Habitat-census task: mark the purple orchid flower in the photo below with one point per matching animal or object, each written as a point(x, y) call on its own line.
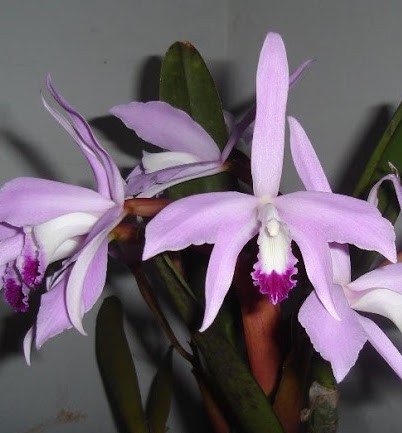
point(230, 219)
point(378, 291)
point(49, 221)
point(191, 151)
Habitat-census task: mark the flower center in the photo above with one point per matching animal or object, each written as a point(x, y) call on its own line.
point(275, 267)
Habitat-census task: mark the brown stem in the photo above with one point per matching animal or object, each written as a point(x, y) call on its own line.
point(215, 415)
point(153, 304)
point(260, 325)
point(145, 207)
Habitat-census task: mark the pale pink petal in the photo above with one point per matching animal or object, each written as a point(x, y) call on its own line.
point(341, 266)
point(53, 317)
point(149, 184)
point(379, 301)
point(35, 201)
point(230, 241)
point(195, 220)
point(269, 130)
point(167, 127)
point(338, 218)
point(394, 178)
point(298, 73)
point(317, 262)
point(96, 166)
point(338, 341)
point(388, 277)
point(382, 345)
point(78, 282)
point(305, 159)
point(209, 169)
point(245, 127)
point(10, 248)
point(115, 182)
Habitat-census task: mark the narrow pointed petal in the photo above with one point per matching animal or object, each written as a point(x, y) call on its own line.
point(167, 127)
point(269, 130)
point(245, 127)
point(195, 172)
point(195, 220)
point(239, 130)
point(222, 263)
point(86, 270)
point(394, 178)
point(318, 264)
point(382, 345)
point(147, 183)
point(305, 159)
point(328, 335)
point(106, 223)
point(341, 265)
point(96, 166)
point(115, 182)
point(53, 317)
point(27, 344)
point(49, 199)
point(87, 279)
point(339, 218)
point(298, 73)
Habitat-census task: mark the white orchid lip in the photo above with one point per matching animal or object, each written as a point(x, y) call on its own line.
point(275, 267)
point(158, 161)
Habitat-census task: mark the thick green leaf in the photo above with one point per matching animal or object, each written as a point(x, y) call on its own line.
point(160, 395)
point(178, 291)
point(389, 149)
point(186, 83)
point(117, 368)
point(233, 383)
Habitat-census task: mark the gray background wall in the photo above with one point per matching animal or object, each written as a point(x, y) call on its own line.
point(102, 53)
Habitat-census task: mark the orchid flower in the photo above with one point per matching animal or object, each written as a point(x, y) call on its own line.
point(191, 151)
point(230, 219)
point(378, 291)
point(44, 221)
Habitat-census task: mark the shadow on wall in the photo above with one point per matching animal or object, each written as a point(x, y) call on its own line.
point(29, 153)
point(377, 121)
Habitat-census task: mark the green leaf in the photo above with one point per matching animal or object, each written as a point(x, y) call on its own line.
point(178, 291)
point(187, 84)
point(117, 368)
point(389, 149)
point(225, 370)
point(159, 398)
point(244, 400)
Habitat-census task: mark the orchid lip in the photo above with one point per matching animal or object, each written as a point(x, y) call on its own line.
point(275, 267)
